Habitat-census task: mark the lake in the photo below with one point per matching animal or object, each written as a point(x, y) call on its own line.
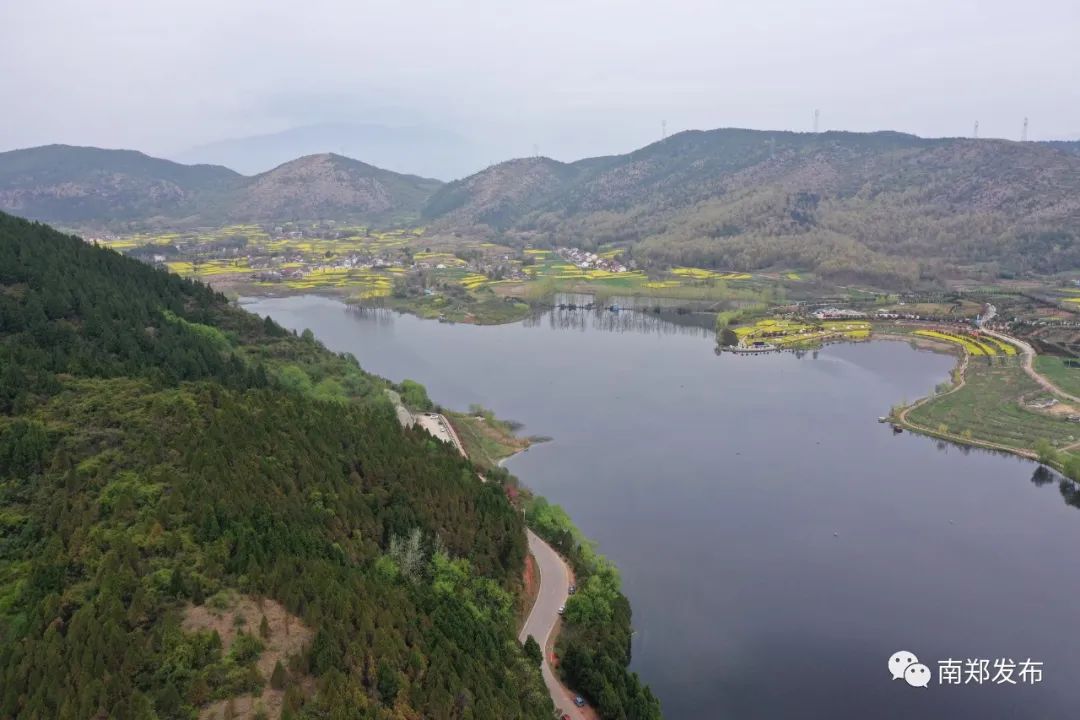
point(776, 542)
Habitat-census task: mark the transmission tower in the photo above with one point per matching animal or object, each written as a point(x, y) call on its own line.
point(663, 129)
point(975, 132)
point(1023, 133)
point(817, 116)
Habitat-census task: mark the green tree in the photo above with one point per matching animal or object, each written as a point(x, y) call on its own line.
point(533, 651)
point(415, 396)
point(1046, 452)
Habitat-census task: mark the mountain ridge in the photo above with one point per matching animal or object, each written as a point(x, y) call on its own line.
point(85, 186)
point(882, 206)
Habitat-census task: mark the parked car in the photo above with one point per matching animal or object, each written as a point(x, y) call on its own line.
point(573, 589)
point(562, 609)
point(579, 701)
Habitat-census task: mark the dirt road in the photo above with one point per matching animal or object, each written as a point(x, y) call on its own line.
point(1028, 362)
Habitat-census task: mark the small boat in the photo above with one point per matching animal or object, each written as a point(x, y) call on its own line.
point(897, 429)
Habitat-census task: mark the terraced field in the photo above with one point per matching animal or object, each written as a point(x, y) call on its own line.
point(975, 345)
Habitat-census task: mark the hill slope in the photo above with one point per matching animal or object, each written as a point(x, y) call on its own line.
point(161, 453)
point(329, 186)
point(882, 207)
point(112, 188)
point(69, 184)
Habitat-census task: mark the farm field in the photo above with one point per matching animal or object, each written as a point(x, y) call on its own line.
point(979, 345)
point(446, 278)
point(990, 407)
point(1055, 368)
point(790, 334)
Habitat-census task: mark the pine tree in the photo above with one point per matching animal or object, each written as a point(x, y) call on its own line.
point(278, 677)
point(264, 628)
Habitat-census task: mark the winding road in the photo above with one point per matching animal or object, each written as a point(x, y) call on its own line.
point(555, 576)
point(544, 616)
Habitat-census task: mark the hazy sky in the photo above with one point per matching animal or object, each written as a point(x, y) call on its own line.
point(574, 78)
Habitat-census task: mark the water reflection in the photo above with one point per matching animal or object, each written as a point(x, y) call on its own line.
point(571, 317)
point(1042, 476)
point(1070, 490)
point(379, 315)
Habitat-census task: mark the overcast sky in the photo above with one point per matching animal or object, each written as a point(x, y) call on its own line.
point(574, 78)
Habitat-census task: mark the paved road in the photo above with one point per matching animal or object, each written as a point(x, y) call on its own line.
point(554, 584)
point(441, 428)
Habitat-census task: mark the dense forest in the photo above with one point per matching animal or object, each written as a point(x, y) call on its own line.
point(160, 450)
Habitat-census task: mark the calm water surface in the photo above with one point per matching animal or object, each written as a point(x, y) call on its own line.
point(776, 542)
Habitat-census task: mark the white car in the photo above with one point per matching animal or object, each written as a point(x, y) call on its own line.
point(562, 609)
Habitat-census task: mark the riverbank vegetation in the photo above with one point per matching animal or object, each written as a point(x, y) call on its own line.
point(487, 439)
point(159, 448)
point(594, 646)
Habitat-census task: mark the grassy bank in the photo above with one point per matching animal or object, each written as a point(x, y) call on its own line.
point(994, 404)
point(1055, 368)
point(486, 438)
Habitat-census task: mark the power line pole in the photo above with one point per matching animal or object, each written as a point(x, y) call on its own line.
point(817, 116)
point(1023, 133)
point(975, 132)
point(663, 129)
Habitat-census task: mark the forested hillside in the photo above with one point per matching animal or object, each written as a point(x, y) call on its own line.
point(123, 190)
point(161, 452)
point(884, 208)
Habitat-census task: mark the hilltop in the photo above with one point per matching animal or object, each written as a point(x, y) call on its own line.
point(421, 150)
point(119, 189)
point(885, 208)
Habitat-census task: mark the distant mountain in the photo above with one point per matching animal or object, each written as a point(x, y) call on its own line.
point(330, 186)
point(69, 184)
point(1072, 146)
point(78, 186)
point(422, 150)
point(886, 207)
